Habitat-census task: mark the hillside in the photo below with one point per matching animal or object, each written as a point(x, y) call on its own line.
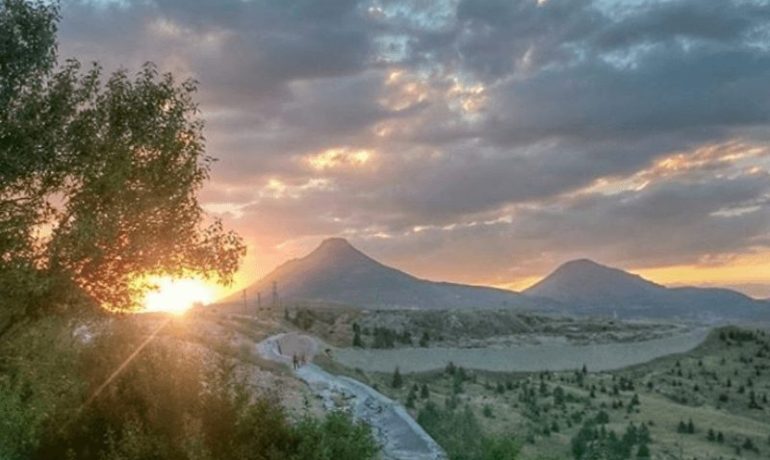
point(586, 287)
point(336, 272)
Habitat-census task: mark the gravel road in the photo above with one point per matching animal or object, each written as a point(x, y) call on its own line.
point(400, 436)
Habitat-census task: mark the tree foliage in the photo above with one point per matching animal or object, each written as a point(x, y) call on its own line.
point(170, 402)
point(98, 174)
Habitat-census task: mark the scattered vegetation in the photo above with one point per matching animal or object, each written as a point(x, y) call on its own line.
point(708, 403)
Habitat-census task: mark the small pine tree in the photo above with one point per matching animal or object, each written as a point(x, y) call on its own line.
point(643, 452)
point(690, 427)
point(411, 399)
point(424, 339)
point(457, 384)
point(748, 444)
point(424, 391)
point(397, 381)
point(753, 401)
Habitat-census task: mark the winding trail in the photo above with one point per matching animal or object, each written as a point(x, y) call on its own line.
point(400, 436)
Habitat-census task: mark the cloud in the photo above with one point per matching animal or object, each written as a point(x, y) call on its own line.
point(481, 141)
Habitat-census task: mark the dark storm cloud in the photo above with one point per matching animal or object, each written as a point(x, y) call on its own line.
point(656, 22)
point(262, 44)
point(668, 90)
point(494, 37)
point(483, 123)
point(676, 222)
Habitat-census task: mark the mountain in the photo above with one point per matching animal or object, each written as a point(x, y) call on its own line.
point(336, 272)
point(586, 287)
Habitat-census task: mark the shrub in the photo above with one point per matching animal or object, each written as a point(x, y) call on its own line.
point(170, 402)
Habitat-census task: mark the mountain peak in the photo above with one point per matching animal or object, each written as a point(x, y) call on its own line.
point(586, 281)
point(338, 273)
point(336, 244)
point(586, 286)
point(581, 263)
point(336, 249)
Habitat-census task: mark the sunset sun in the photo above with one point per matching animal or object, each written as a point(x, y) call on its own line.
point(177, 295)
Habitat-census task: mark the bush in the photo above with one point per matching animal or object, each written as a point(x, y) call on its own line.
point(170, 402)
point(460, 434)
point(334, 438)
point(37, 379)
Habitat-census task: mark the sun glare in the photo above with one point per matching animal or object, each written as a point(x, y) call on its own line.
point(177, 295)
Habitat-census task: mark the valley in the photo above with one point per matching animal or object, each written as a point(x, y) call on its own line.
point(689, 402)
point(592, 362)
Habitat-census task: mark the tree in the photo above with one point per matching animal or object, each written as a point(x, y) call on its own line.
point(110, 166)
point(424, 339)
point(397, 381)
point(748, 444)
point(411, 398)
point(424, 391)
point(357, 342)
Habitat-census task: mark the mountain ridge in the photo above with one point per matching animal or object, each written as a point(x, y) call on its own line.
point(338, 273)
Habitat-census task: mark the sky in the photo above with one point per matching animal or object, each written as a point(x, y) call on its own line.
point(481, 142)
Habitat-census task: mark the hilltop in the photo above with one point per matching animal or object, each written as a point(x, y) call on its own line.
point(337, 272)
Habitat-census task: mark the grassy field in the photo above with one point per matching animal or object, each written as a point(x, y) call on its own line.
point(710, 403)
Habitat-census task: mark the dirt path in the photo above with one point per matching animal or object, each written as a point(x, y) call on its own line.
point(400, 436)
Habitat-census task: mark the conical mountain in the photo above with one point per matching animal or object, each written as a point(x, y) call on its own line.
point(586, 287)
point(338, 273)
point(585, 282)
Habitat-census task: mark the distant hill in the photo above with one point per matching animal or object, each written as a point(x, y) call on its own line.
point(586, 287)
point(336, 272)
